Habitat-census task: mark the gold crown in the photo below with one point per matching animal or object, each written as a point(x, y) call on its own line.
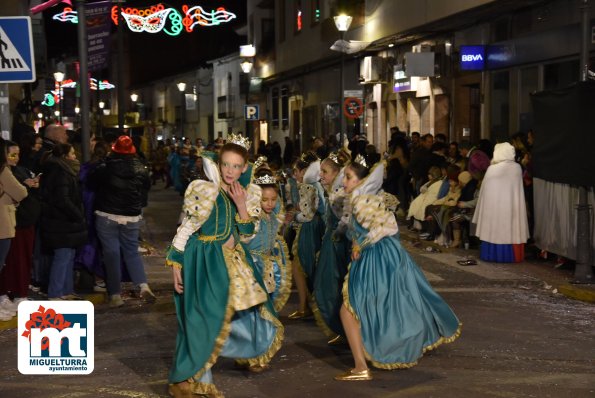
point(266, 179)
point(260, 161)
point(240, 140)
point(334, 156)
point(359, 159)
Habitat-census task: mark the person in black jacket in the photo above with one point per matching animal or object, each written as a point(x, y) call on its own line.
point(63, 227)
point(121, 184)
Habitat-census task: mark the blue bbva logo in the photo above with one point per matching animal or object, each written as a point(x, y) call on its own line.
point(56, 337)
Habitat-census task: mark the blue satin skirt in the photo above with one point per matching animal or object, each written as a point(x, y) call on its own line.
point(251, 336)
point(329, 275)
point(400, 315)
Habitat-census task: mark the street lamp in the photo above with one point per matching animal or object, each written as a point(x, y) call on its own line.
point(59, 77)
point(134, 97)
point(342, 22)
point(246, 66)
point(182, 88)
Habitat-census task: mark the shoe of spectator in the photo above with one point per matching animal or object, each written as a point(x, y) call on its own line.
point(147, 295)
point(71, 297)
point(5, 316)
point(99, 286)
point(19, 300)
point(55, 299)
point(116, 301)
point(6, 304)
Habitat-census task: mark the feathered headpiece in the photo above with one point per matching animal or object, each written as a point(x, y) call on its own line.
point(359, 159)
point(240, 140)
point(266, 179)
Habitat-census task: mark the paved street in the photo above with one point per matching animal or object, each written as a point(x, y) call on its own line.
point(520, 339)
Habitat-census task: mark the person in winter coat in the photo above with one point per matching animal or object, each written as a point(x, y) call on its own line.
point(62, 224)
point(11, 192)
point(500, 218)
point(125, 183)
point(16, 275)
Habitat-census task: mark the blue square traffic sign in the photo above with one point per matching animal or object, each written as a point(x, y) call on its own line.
point(17, 62)
point(251, 112)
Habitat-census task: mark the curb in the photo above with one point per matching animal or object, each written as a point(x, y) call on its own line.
point(584, 293)
point(578, 293)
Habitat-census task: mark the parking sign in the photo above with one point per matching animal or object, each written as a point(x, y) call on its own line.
point(251, 112)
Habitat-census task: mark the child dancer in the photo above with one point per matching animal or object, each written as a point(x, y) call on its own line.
point(333, 259)
point(267, 248)
point(221, 301)
point(309, 232)
point(390, 313)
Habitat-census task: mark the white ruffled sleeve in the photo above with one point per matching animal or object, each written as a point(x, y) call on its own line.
point(199, 201)
point(371, 213)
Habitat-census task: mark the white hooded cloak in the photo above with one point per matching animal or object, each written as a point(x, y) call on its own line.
point(501, 214)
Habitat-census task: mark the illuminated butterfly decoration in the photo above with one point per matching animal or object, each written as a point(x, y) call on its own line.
point(198, 16)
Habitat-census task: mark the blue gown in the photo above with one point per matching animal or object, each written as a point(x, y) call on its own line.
point(309, 234)
point(400, 315)
point(269, 253)
point(330, 272)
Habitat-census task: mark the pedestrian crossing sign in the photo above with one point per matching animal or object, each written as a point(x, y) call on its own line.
point(17, 62)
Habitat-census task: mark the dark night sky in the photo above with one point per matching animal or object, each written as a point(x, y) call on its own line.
point(157, 55)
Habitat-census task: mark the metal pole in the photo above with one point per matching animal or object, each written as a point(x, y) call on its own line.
point(120, 71)
point(61, 97)
point(341, 90)
point(84, 81)
point(583, 271)
point(183, 114)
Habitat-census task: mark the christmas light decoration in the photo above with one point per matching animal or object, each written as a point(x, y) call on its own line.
point(48, 100)
point(68, 15)
point(157, 18)
point(198, 16)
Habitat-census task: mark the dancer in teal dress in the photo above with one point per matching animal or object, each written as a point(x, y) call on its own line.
point(221, 301)
point(333, 258)
point(390, 313)
point(268, 249)
point(309, 230)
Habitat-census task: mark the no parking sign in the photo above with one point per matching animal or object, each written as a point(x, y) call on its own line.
point(353, 107)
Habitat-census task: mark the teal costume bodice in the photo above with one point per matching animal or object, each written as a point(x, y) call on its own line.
point(264, 240)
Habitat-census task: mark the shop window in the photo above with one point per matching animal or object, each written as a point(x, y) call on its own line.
point(500, 106)
point(529, 83)
point(561, 74)
point(284, 107)
point(275, 108)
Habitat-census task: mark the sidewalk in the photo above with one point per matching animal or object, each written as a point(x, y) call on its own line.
point(558, 279)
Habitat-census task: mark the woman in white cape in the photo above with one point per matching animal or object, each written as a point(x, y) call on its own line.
point(500, 219)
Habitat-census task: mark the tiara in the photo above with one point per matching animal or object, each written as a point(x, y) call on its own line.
point(240, 140)
point(260, 161)
point(334, 156)
point(359, 159)
point(266, 179)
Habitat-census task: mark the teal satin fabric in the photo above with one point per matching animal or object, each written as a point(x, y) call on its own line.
point(330, 272)
point(400, 314)
point(308, 245)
